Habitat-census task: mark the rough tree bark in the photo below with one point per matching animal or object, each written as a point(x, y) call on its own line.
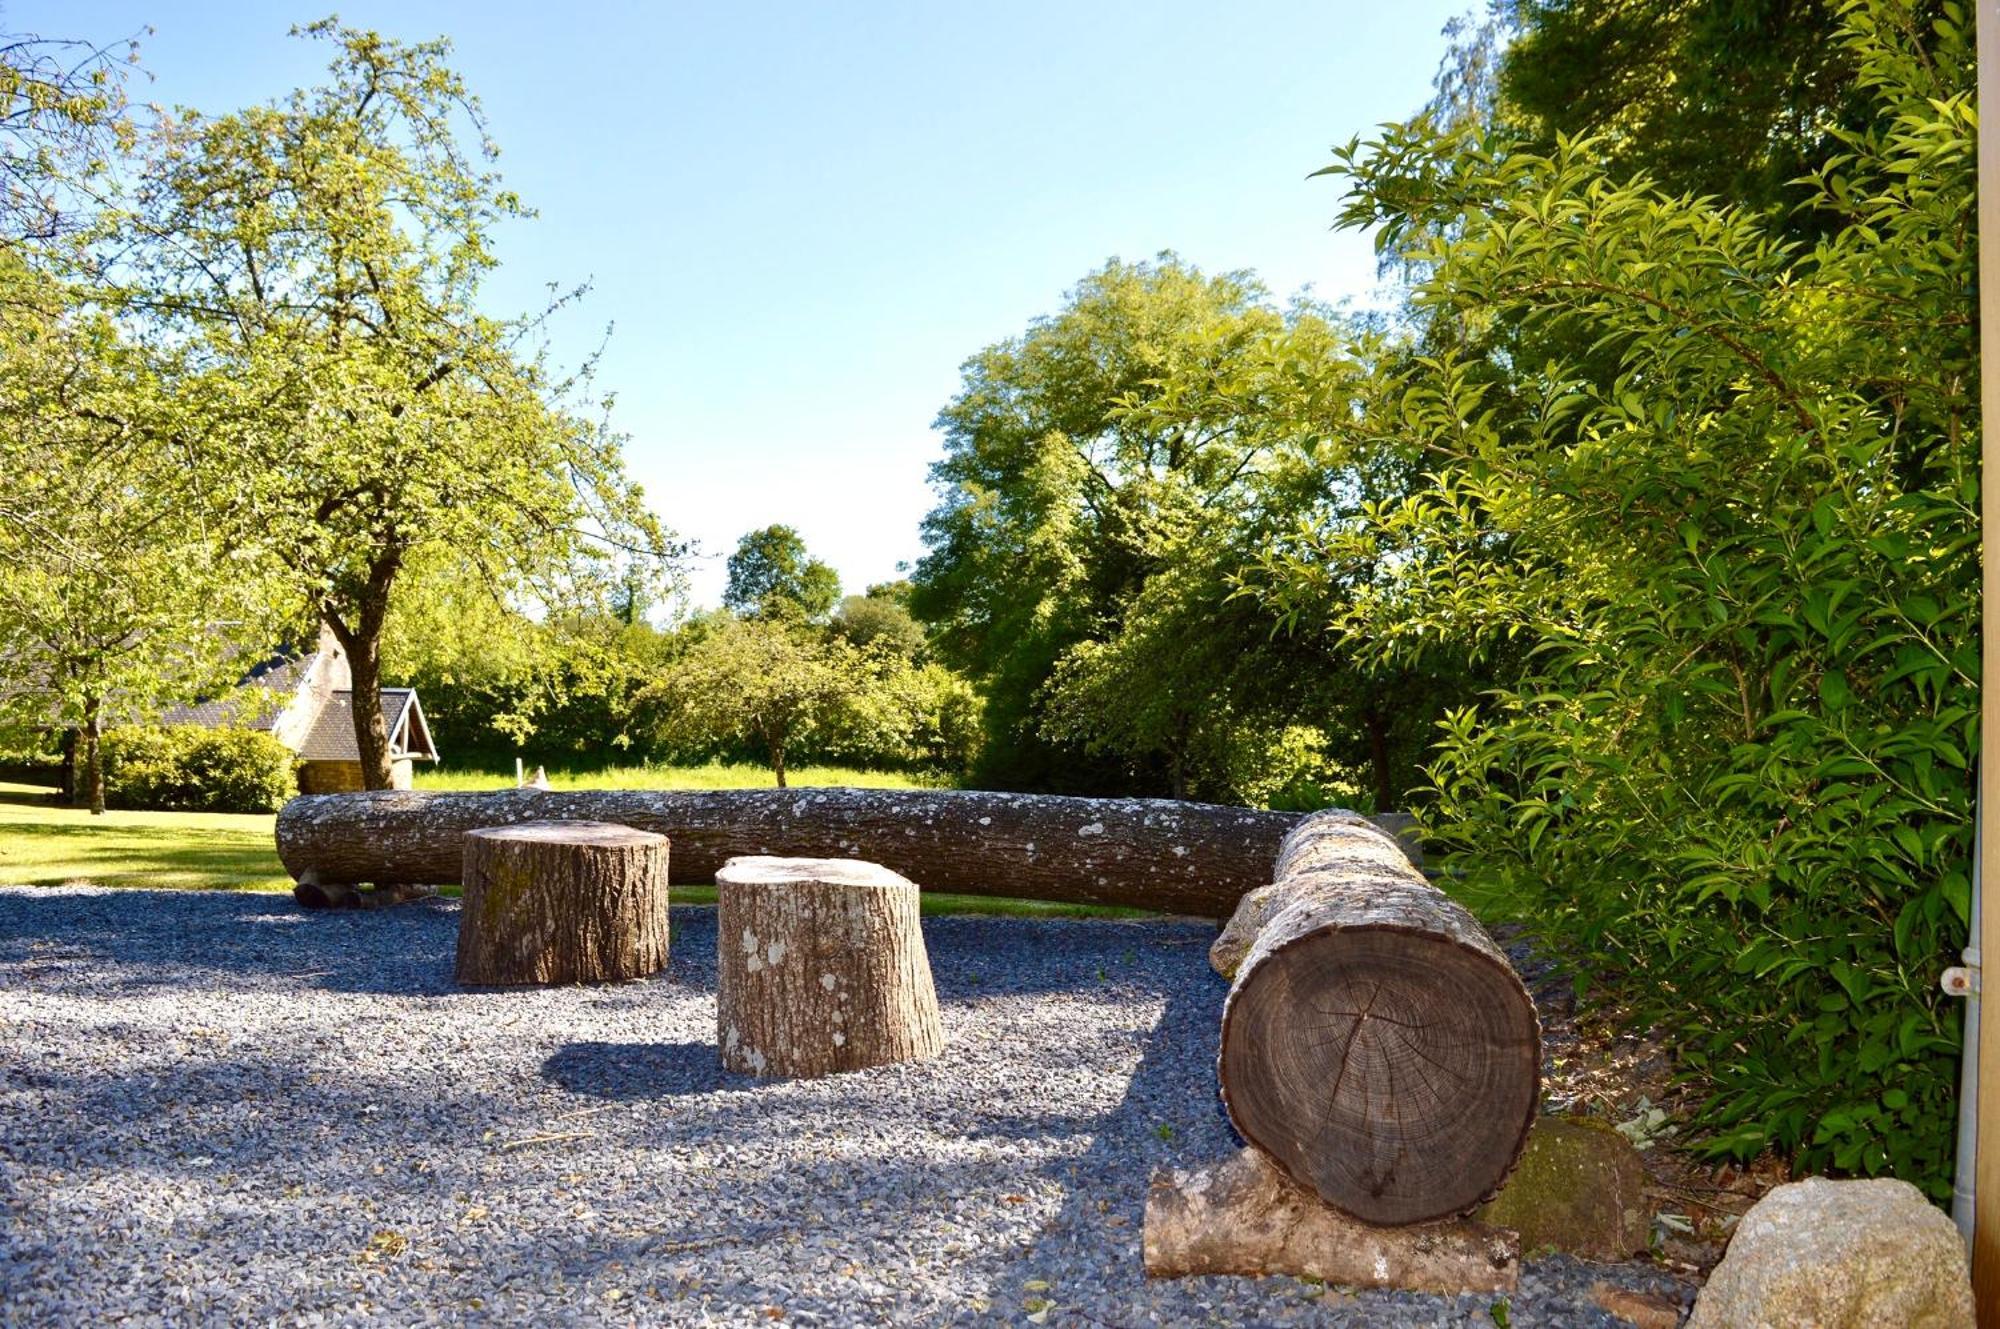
point(361, 637)
point(1376, 1043)
point(1189, 858)
point(820, 968)
point(562, 902)
point(1243, 1216)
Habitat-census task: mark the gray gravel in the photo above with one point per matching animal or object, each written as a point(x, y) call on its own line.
point(215, 1108)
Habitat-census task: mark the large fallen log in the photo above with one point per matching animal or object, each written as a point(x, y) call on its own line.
point(1185, 858)
point(1243, 1216)
point(1375, 1043)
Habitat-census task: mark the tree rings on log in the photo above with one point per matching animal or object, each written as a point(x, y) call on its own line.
point(821, 968)
point(1376, 1043)
point(562, 902)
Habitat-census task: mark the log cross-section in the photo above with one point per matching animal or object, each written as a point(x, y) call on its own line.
point(1184, 858)
point(1376, 1044)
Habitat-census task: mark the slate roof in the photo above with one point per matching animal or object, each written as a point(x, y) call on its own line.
point(255, 704)
point(332, 735)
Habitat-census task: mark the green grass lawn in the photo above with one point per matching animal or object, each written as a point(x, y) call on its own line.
point(45, 845)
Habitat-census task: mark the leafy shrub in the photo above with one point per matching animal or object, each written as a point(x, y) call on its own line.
point(185, 769)
point(1726, 490)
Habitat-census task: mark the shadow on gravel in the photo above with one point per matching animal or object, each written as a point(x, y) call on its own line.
point(623, 1072)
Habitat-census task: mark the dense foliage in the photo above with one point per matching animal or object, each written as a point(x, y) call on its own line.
point(189, 769)
point(1106, 476)
point(1724, 484)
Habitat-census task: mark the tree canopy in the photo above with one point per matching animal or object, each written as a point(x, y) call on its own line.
point(772, 575)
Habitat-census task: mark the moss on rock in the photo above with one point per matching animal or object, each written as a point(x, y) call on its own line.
point(1579, 1187)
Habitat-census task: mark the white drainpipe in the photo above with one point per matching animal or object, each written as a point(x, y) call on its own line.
point(1964, 982)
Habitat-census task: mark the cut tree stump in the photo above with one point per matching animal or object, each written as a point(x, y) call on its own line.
point(1375, 1043)
point(562, 902)
point(1243, 1216)
point(821, 968)
point(1180, 858)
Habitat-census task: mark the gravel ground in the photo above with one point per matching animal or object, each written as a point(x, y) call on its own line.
point(215, 1108)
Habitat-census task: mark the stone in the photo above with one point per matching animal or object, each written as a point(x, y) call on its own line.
point(1840, 1255)
point(1580, 1187)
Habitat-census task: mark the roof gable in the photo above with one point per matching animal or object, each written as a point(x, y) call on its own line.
point(332, 735)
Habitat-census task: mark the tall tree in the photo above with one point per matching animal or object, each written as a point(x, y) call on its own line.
point(771, 575)
point(319, 263)
point(1051, 487)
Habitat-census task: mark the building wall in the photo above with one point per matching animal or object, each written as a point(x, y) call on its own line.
point(344, 777)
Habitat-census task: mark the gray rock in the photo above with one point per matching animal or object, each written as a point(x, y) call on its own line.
point(1840, 1255)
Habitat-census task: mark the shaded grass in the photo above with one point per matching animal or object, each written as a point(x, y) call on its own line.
point(716, 775)
point(42, 844)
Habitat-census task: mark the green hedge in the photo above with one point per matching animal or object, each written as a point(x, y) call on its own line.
point(197, 770)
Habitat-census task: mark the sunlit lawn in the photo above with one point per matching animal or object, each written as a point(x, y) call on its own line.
point(45, 845)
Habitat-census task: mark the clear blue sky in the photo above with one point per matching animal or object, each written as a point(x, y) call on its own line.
point(800, 218)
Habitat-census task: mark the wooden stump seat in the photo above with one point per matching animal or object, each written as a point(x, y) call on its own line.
point(821, 968)
point(562, 902)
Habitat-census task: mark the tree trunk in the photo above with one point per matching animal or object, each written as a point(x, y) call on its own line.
point(93, 756)
point(361, 637)
point(69, 784)
point(562, 902)
point(1185, 858)
point(778, 763)
point(1378, 759)
point(1376, 1043)
point(820, 967)
point(371, 735)
point(1243, 1216)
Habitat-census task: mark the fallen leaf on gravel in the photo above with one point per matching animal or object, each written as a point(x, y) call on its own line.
point(1642, 1309)
point(1035, 1285)
point(1013, 1199)
point(474, 1214)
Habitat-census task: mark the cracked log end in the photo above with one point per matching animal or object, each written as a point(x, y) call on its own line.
point(1243, 1216)
point(1376, 1043)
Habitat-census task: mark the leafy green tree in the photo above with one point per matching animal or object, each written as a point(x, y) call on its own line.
point(114, 603)
point(1052, 486)
point(772, 575)
point(317, 265)
point(881, 618)
point(1735, 99)
point(768, 681)
point(1733, 776)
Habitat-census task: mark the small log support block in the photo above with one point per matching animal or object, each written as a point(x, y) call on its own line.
point(821, 968)
point(562, 902)
point(1244, 1216)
